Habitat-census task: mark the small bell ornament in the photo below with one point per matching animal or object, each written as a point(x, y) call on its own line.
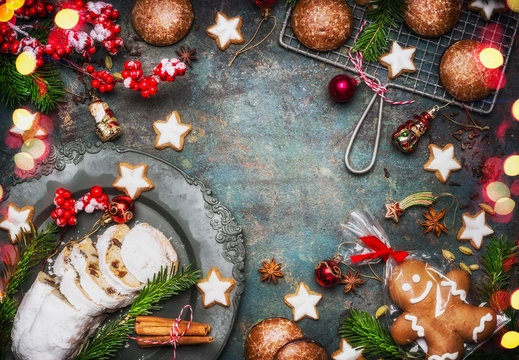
point(107, 127)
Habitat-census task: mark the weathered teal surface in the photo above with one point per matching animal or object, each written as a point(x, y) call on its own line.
point(270, 143)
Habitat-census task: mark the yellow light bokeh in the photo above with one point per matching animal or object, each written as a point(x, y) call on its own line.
point(515, 109)
point(23, 119)
point(504, 206)
point(514, 299)
point(26, 63)
point(24, 161)
point(67, 18)
point(510, 340)
point(6, 14)
point(491, 58)
point(14, 4)
point(497, 190)
point(34, 147)
point(513, 5)
point(511, 165)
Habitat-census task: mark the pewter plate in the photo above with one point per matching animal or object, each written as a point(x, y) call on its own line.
point(201, 230)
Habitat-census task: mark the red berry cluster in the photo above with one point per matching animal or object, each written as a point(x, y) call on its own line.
point(56, 50)
point(9, 43)
point(103, 15)
point(33, 45)
point(101, 80)
point(32, 8)
point(93, 200)
point(169, 68)
point(134, 79)
point(81, 42)
point(65, 212)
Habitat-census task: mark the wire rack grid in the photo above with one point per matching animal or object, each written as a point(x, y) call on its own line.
point(500, 32)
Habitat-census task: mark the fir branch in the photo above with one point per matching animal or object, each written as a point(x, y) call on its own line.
point(41, 30)
point(364, 331)
point(13, 91)
point(105, 342)
point(290, 3)
point(45, 87)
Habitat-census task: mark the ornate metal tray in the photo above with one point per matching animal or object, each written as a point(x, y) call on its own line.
point(201, 230)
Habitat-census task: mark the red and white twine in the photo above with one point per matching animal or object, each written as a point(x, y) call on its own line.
point(174, 336)
point(357, 64)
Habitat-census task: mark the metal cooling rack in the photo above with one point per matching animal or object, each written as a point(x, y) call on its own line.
point(425, 81)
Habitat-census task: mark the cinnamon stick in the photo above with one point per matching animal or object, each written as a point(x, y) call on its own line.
point(185, 340)
point(160, 321)
point(196, 329)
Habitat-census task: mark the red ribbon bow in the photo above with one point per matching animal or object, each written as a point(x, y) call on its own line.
point(381, 251)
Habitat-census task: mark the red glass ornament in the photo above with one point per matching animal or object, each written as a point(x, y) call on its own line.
point(342, 88)
point(328, 273)
point(121, 209)
point(265, 4)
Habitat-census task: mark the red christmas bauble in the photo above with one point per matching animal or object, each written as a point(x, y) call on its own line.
point(342, 88)
point(121, 209)
point(265, 4)
point(328, 273)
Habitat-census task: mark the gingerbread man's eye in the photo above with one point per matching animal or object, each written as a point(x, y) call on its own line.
point(416, 278)
point(406, 287)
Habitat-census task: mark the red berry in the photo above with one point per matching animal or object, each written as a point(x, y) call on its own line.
point(72, 221)
point(67, 204)
point(53, 215)
point(139, 72)
point(55, 56)
point(115, 14)
point(152, 90)
point(61, 222)
point(103, 198)
point(96, 83)
point(67, 214)
point(59, 200)
point(91, 50)
point(145, 93)
point(152, 81)
point(90, 68)
point(60, 51)
point(125, 74)
point(109, 78)
point(116, 28)
point(59, 212)
point(136, 87)
point(60, 191)
point(109, 87)
point(102, 88)
point(144, 84)
point(39, 62)
point(96, 191)
point(67, 194)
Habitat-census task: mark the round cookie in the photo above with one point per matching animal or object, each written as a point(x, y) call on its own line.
point(432, 18)
point(162, 22)
point(301, 349)
point(322, 25)
point(462, 74)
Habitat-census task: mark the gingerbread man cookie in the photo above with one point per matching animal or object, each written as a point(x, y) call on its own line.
point(435, 308)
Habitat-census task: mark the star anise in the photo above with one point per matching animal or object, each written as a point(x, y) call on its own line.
point(432, 222)
point(352, 281)
point(186, 55)
point(271, 271)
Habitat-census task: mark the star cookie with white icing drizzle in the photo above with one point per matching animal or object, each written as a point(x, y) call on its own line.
point(442, 161)
point(132, 180)
point(171, 132)
point(303, 302)
point(225, 31)
point(347, 352)
point(474, 229)
point(17, 220)
point(398, 60)
point(215, 289)
point(487, 8)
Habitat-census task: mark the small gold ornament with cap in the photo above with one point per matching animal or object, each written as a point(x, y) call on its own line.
point(106, 127)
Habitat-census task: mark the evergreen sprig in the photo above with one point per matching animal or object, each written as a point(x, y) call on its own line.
point(364, 331)
point(33, 246)
point(105, 342)
point(383, 14)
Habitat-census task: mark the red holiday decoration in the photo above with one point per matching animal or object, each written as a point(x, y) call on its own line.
point(265, 4)
point(342, 88)
point(121, 209)
point(95, 199)
point(65, 212)
point(101, 80)
point(380, 250)
point(328, 273)
point(33, 8)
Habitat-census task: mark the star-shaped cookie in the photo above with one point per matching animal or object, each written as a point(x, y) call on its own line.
point(215, 289)
point(442, 161)
point(398, 60)
point(35, 131)
point(487, 8)
point(393, 211)
point(303, 302)
point(346, 352)
point(171, 132)
point(17, 220)
point(225, 31)
point(132, 180)
point(474, 229)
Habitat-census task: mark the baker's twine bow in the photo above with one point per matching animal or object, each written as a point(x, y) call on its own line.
point(174, 336)
point(357, 64)
point(380, 251)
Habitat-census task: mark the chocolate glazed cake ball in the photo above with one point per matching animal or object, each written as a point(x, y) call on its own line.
point(322, 24)
point(304, 348)
point(431, 18)
point(268, 336)
point(462, 74)
point(162, 22)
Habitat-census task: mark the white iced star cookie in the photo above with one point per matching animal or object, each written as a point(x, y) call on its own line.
point(398, 60)
point(474, 229)
point(487, 8)
point(17, 220)
point(442, 161)
point(303, 302)
point(215, 289)
point(346, 352)
point(171, 132)
point(225, 31)
point(132, 180)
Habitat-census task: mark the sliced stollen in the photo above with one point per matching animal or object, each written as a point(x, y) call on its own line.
point(85, 260)
point(146, 250)
point(111, 263)
point(30, 306)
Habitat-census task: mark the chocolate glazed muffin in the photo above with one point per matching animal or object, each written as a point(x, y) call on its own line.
point(322, 24)
point(432, 18)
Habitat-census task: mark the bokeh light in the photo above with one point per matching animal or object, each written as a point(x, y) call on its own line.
point(513, 5)
point(510, 340)
point(511, 165)
point(504, 206)
point(9, 254)
point(6, 14)
point(26, 63)
point(34, 147)
point(14, 4)
point(24, 161)
point(514, 188)
point(491, 58)
point(67, 18)
point(515, 109)
point(514, 299)
point(23, 119)
point(497, 190)
point(1, 193)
